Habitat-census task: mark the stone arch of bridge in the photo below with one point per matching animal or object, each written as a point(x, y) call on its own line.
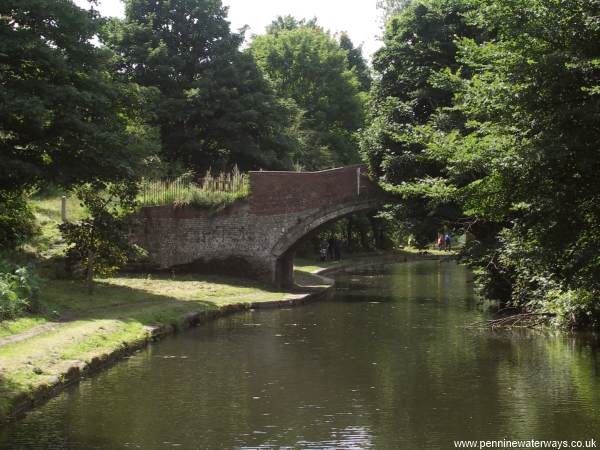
point(283, 251)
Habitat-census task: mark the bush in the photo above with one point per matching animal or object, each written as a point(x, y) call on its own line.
point(16, 220)
point(19, 290)
point(575, 307)
point(210, 192)
point(99, 244)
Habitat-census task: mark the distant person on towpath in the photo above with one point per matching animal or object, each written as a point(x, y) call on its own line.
point(447, 242)
point(323, 251)
point(337, 250)
point(440, 241)
point(330, 247)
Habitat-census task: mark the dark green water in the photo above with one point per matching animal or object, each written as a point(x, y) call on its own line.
point(386, 364)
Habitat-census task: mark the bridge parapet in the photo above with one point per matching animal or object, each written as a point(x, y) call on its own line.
point(290, 192)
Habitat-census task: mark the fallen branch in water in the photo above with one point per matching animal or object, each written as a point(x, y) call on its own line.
point(523, 320)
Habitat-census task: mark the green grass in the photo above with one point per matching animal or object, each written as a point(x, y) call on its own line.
point(195, 196)
point(20, 325)
point(311, 266)
point(48, 242)
point(212, 192)
point(120, 311)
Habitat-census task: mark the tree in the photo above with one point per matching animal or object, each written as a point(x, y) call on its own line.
point(99, 243)
point(419, 46)
point(391, 8)
point(287, 23)
point(213, 108)
point(533, 114)
point(64, 120)
point(61, 114)
point(307, 66)
point(16, 220)
point(503, 125)
point(356, 62)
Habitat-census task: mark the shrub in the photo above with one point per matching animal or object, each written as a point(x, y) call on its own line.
point(16, 220)
point(575, 307)
point(19, 289)
point(209, 192)
point(99, 244)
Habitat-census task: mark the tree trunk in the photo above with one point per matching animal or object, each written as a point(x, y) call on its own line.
point(349, 232)
point(90, 271)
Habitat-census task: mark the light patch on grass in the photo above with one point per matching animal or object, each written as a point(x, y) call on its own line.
point(189, 288)
point(10, 327)
point(306, 265)
point(48, 241)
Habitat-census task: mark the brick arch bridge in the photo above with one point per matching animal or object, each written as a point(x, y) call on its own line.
point(256, 236)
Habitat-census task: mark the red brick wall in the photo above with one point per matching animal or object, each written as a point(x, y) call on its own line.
point(287, 192)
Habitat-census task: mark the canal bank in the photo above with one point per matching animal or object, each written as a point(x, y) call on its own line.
point(386, 363)
point(43, 360)
point(40, 357)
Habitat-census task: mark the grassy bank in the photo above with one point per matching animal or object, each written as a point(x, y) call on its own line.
point(75, 329)
point(73, 332)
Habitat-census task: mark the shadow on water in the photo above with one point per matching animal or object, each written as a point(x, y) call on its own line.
point(386, 364)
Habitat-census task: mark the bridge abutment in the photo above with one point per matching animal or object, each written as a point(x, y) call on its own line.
point(283, 276)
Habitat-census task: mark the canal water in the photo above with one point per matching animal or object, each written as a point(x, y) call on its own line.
point(386, 364)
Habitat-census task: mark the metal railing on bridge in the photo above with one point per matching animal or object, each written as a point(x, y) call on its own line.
point(187, 189)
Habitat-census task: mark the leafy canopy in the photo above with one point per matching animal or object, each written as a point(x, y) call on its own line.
point(490, 109)
point(62, 117)
point(307, 66)
point(213, 106)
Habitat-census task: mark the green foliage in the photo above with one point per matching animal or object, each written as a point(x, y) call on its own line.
point(99, 244)
point(391, 8)
point(410, 108)
point(571, 307)
point(530, 102)
point(356, 62)
point(19, 289)
point(308, 67)
point(497, 102)
point(287, 23)
point(62, 116)
point(213, 106)
point(212, 192)
point(16, 220)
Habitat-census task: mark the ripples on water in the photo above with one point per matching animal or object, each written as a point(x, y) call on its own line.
point(387, 364)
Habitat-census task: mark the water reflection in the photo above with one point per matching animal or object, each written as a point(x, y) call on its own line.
point(387, 364)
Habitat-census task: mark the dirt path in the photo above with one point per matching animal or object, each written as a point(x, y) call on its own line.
point(34, 331)
point(50, 326)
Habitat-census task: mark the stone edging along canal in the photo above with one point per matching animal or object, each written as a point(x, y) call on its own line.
point(28, 401)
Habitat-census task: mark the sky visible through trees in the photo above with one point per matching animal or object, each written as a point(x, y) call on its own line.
point(360, 18)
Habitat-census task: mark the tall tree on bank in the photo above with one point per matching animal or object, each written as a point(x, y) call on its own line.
point(307, 66)
point(214, 108)
point(356, 62)
point(533, 143)
point(63, 119)
point(419, 45)
point(514, 147)
point(61, 114)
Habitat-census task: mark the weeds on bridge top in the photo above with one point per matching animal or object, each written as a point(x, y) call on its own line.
point(211, 191)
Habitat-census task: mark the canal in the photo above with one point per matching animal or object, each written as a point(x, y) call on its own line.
point(387, 363)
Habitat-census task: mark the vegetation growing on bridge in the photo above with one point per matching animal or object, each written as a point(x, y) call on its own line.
point(211, 191)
